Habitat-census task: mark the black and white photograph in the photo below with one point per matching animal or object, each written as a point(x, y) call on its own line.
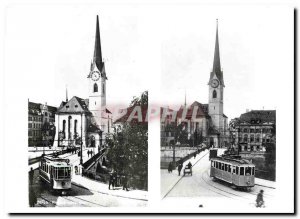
point(148, 107)
point(218, 121)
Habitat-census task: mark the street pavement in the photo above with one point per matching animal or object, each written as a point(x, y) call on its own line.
point(201, 190)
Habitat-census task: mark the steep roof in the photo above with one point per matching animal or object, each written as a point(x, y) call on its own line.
point(74, 105)
point(202, 110)
point(131, 114)
point(35, 108)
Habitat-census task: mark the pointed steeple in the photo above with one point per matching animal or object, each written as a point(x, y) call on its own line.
point(67, 99)
point(217, 62)
point(97, 59)
point(185, 98)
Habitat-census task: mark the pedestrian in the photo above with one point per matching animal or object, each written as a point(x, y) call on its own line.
point(179, 168)
point(189, 165)
point(111, 181)
point(31, 174)
point(260, 199)
point(32, 198)
point(88, 153)
point(170, 167)
point(125, 182)
point(115, 176)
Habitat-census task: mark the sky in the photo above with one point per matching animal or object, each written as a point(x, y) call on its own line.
point(166, 49)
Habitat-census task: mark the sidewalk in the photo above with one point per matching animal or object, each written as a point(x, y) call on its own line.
point(265, 183)
point(95, 186)
point(169, 180)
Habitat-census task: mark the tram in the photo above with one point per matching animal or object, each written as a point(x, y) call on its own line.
point(234, 170)
point(56, 172)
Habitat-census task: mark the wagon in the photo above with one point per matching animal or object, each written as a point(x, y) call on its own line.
point(187, 170)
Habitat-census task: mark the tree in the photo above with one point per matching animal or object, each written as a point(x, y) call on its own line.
point(128, 147)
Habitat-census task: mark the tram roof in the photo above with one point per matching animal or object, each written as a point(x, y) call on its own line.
point(234, 161)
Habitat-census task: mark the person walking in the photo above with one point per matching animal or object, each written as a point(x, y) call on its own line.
point(31, 174)
point(111, 181)
point(179, 168)
point(125, 182)
point(260, 199)
point(170, 167)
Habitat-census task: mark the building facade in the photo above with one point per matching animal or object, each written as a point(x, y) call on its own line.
point(86, 122)
point(41, 120)
point(254, 129)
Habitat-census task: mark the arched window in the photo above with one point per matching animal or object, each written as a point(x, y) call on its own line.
point(95, 88)
point(103, 88)
point(69, 127)
point(64, 127)
point(251, 138)
point(214, 94)
point(75, 126)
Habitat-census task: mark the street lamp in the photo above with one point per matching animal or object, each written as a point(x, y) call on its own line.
point(81, 162)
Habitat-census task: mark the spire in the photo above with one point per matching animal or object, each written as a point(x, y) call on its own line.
point(217, 63)
point(67, 94)
point(97, 59)
point(185, 98)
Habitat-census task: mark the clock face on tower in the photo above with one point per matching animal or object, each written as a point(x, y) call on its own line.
point(95, 76)
point(215, 83)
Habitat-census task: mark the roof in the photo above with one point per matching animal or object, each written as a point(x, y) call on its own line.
point(134, 114)
point(74, 105)
point(93, 128)
point(35, 108)
point(259, 116)
point(202, 110)
point(233, 161)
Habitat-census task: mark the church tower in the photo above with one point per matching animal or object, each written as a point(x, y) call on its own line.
point(97, 80)
point(216, 90)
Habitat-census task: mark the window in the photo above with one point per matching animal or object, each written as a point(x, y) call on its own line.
point(29, 118)
point(225, 167)
point(69, 126)
point(253, 171)
point(222, 166)
point(242, 171)
point(252, 138)
point(76, 105)
point(248, 171)
point(103, 88)
point(245, 138)
point(229, 168)
point(95, 88)
point(233, 169)
point(67, 106)
point(64, 127)
point(245, 130)
point(214, 94)
point(257, 138)
point(75, 126)
point(29, 125)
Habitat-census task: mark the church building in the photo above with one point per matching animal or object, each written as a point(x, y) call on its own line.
point(208, 121)
point(86, 119)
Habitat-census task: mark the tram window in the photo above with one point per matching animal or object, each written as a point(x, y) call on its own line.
point(248, 170)
point(225, 167)
point(233, 169)
point(229, 168)
point(253, 171)
point(212, 163)
point(241, 171)
point(222, 166)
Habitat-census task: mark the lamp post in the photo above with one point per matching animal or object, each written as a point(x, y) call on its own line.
point(81, 142)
